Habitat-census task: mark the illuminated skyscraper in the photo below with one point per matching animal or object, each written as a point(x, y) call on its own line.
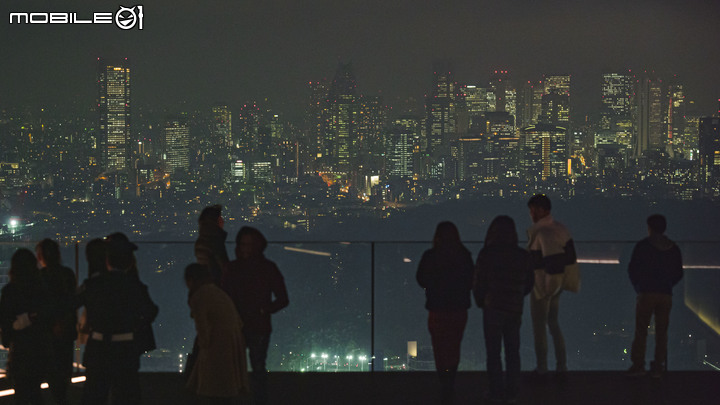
point(342, 111)
point(709, 138)
point(441, 120)
point(400, 148)
point(177, 142)
point(675, 117)
point(113, 78)
point(617, 107)
point(222, 125)
point(315, 145)
point(504, 91)
point(530, 103)
point(650, 133)
point(544, 152)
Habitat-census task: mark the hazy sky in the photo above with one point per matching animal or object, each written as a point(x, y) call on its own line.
point(203, 51)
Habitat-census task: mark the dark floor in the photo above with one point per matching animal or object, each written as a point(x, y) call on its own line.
point(602, 387)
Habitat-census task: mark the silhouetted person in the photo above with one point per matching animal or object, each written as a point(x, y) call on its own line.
point(25, 322)
point(503, 277)
point(116, 305)
point(551, 248)
point(251, 281)
point(655, 267)
point(95, 254)
point(446, 274)
point(62, 285)
point(144, 335)
point(219, 373)
point(210, 245)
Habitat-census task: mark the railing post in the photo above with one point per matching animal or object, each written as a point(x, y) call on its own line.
point(372, 306)
point(76, 369)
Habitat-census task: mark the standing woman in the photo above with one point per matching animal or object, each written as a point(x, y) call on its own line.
point(504, 276)
point(446, 273)
point(61, 283)
point(25, 325)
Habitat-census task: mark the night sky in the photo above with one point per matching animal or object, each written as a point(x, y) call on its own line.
point(207, 51)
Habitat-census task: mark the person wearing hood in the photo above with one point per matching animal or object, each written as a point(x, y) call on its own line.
point(257, 289)
point(655, 267)
point(210, 246)
point(446, 274)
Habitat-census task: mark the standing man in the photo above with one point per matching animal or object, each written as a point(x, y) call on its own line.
point(655, 268)
point(117, 305)
point(251, 281)
point(551, 248)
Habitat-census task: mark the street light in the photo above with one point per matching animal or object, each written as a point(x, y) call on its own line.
point(349, 359)
point(362, 364)
point(324, 357)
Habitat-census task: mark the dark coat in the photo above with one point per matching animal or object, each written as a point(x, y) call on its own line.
point(210, 249)
point(29, 347)
point(62, 286)
point(116, 303)
point(504, 275)
point(446, 274)
point(656, 265)
point(251, 284)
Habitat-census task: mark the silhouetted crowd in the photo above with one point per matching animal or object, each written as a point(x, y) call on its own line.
point(231, 303)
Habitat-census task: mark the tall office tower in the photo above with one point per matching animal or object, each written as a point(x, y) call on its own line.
point(501, 149)
point(543, 152)
point(315, 120)
point(222, 125)
point(177, 145)
point(252, 138)
point(371, 119)
point(401, 147)
point(709, 140)
point(342, 112)
point(560, 83)
point(504, 91)
point(440, 104)
point(675, 117)
point(650, 133)
point(555, 109)
point(687, 142)
point(617, 100)
point(113, 78)
point(530, 103)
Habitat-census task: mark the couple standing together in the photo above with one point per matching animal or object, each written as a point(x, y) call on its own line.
point(501, 277)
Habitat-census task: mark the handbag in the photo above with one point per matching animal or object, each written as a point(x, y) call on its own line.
point(572, 281)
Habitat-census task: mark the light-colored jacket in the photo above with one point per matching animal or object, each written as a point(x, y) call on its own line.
point(551, 248)
point(220, 368)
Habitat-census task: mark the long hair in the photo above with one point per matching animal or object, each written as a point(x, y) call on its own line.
point(501, 232)
point(446, 236)
point(50, 251)
point(96, 254)
point(259, 241)
point(23, 268)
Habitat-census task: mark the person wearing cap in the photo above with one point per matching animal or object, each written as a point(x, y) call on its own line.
point(551, 249)
point(116, 305)
point(210, 248)
point(251, 281)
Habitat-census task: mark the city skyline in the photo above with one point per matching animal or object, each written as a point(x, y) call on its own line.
point(257, 50)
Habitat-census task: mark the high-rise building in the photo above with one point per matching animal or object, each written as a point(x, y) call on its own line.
point(400, 148)
point(617, 97)
point(555, 109)
point(113, 78)
point(177, 142)
point(544, 152)
point(315, 146)
point(675, 117)
point(530, 103)
point(709, 139)
point(650, 133)
point(342, 111)
point(222, 125)
point(440, 103)
point(559, 83)
point(504, 92)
